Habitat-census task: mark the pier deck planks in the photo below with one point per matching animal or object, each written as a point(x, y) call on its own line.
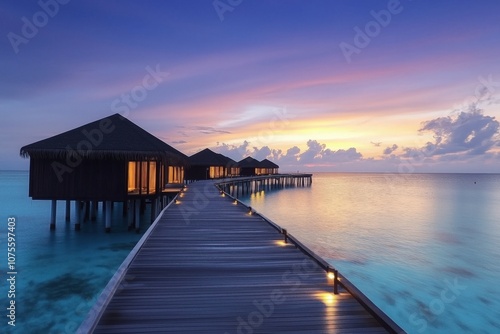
point(208, 265)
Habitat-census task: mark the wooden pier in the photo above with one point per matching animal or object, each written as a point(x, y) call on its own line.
point(211, 265)
point(240, 186)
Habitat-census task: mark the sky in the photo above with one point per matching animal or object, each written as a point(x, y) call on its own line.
point(409, 86)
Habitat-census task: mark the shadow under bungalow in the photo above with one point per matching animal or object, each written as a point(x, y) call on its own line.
point(114, 160)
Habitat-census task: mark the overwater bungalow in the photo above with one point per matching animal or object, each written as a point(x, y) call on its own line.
point(249, 167)
point(268, 167)
point(108, 160)
point(207, 164)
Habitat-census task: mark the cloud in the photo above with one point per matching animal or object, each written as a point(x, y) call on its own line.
point(377, 144)
point(458, 139)
point(391, 149)
point(470, 133)
point(291, 156)
point(208, 130)
point(235, 152)
point(313, 152)
point(316, 154)
point(349, 155)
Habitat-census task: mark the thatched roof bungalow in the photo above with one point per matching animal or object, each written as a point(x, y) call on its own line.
point(207, 164)
point(108, 160)
point(249, 166)
point(268, 167)
point(111, 159)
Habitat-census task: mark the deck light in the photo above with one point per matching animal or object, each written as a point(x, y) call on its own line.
point(333, 275)
point(177, 201)
point(235, 202)
point(250, 210)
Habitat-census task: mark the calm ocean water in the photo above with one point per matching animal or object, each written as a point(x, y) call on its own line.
point(59, 274)
point(424, 247)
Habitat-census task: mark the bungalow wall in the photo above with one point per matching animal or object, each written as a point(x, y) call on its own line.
point(89, 180)
point(206, 172)
point(248, 171)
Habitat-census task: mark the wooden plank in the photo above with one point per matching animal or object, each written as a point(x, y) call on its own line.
point(208, 266)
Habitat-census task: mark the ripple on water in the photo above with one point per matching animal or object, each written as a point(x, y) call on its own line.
point(462, 272)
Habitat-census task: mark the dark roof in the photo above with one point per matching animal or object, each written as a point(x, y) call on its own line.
point(113, 137)
point(228, 161)
point(207, 157)
point(268, 164)
point(249, 162)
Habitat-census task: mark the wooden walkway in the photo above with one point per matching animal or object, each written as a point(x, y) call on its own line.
point(210, 267)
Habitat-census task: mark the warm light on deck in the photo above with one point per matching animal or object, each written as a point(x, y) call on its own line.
point(329, 299)
point(177, 201)
point(235, 202)
point(331, 275)
point(281, 243)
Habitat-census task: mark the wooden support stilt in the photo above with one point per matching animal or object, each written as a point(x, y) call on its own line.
point(137, 211)
point(108, 216)
point(53, 213)
point(93, 209)
point(86, 211)
point(130, 215)
point(68, 211)
point(142, 206)
point(78, 215)
point(153, 209)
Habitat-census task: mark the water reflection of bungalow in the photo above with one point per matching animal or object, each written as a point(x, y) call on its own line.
point(268, 167)
point(109, 160)
point(207, 164)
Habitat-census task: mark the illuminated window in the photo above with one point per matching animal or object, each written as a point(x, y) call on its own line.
point(133, 186)
point(175, 174)
point(141, 177)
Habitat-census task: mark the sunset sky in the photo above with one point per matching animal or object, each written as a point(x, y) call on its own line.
point(394, 86)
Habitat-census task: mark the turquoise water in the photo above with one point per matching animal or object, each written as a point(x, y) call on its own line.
point(424, 247)
point(59, 273)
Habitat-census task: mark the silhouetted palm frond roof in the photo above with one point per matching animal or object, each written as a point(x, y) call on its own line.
point(249, 162)
point(113, 137)
point(268, 164)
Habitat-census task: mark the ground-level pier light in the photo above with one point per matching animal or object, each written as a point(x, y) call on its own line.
point(333, 275)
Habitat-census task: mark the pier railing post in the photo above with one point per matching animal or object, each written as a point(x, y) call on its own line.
point(336, 282)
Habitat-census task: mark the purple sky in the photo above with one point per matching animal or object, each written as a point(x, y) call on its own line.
point(394, 86)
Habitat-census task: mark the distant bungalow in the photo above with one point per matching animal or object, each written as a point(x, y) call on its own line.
point(207, 164)
point(250, 167)
point(268, 167)
point(109, 160)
